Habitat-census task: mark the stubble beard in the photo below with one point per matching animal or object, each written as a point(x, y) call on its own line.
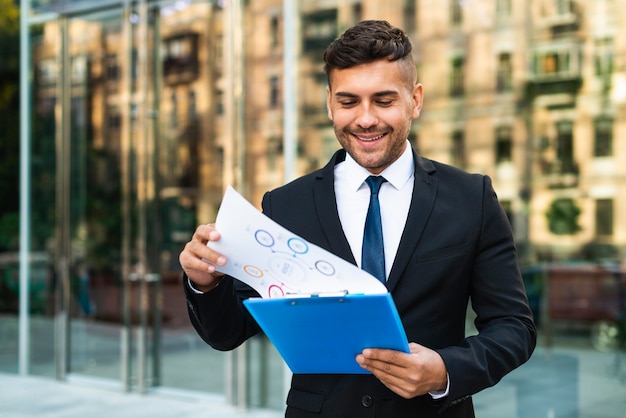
point(376, 159)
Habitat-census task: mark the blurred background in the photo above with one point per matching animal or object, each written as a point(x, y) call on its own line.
point(122, 123)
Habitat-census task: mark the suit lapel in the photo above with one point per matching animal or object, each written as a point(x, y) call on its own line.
point(326, 208)
point(422, 202)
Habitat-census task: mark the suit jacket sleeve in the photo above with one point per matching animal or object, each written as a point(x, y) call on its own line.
point(219, 316)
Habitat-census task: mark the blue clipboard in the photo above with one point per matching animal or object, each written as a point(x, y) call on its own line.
point(324, 334)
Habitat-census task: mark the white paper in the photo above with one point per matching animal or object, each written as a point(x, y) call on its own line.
point(277, 263)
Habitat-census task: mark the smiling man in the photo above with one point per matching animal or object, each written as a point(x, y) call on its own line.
point(446, 242)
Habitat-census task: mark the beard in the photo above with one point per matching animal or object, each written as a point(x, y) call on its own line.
point(386, 147)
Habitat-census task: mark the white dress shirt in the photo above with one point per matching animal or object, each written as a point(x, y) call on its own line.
point(353, 196)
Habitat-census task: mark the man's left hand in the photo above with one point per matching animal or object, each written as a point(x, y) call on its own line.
point(409, 375)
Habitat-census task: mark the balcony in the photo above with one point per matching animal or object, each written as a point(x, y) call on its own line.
point(180, 60)
point(556, 69)
point(319, 30)
point(561, 23)
point(561, 174)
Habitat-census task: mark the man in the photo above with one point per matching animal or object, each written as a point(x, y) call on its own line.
point(446, 242)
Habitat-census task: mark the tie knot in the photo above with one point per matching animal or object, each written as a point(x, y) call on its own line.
point(374, 182)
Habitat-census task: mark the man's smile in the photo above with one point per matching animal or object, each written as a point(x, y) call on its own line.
point(369, 138)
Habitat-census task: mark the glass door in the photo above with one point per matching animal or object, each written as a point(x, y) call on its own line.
point(132, 118)
point(108, 289)
point(90, 169)
point(189, 173)
point(141, 157)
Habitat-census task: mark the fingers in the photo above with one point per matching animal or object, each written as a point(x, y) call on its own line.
point(407, 374)
point(197, 249)
point(205, 233)
point(386, 361)
point(201, 263)
point(387, 366)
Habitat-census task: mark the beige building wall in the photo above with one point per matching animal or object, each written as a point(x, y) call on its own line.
point(458, 130)
point(481, 36)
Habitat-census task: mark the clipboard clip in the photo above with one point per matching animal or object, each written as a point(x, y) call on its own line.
point(338, 293)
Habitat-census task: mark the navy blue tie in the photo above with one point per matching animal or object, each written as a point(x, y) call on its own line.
point(373, 252)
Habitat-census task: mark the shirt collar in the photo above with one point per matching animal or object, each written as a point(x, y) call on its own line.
point(397, 174)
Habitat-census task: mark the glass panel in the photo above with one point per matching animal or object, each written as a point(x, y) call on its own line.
point(568, 209)
point(9, 189)
point(43, 279)
point(189, 176)
point(95, 199)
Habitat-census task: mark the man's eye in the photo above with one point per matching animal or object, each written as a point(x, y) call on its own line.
point(348, 103)
point(385, 102)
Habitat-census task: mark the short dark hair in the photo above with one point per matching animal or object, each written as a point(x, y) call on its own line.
point(367, 41)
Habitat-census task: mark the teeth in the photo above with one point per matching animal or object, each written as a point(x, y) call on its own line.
point(370, 139)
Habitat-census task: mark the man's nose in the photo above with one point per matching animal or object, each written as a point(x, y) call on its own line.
point(367, 116)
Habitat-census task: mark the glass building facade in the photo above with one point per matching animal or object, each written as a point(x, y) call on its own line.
point(138, 115)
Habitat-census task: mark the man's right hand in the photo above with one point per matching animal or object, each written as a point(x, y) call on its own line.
point(193, 259)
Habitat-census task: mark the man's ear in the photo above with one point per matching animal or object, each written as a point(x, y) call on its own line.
point(328, 98)
point(418, 100)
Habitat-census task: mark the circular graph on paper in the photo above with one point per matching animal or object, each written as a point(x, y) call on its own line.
point(253, 271)
point(298, 245)
point(325, 268)
point(275, 291)
point(264, 238)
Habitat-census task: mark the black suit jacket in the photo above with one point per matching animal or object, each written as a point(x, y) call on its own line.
point(457, 246)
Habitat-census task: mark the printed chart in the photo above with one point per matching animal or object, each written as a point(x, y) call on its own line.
point(276, 262)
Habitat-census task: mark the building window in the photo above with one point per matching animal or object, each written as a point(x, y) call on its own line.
point(456, 79)
point(219, 102)
point(112, 68)
point(504, 144)
point(456, 12)
point(180, 58)
point(410, 8)
point(552, 63)
point(563, 7)
point(504, 76)
point(604, 217)
point(357, 12)
point(458, 149)
point(219, 51)
point(274, 92)
point(503, 9)
point(274, 150)
point(114, 122)
point(192, 107)
point(565, 147)
point(318, 30)
point(274, 31)
point(603, 137)
point(603, 59)
point(549, 63)
point(173, 111)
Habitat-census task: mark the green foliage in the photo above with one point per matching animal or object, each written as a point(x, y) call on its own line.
point(9, 123)
point(9, 231)
point(9, 41)
point(563, 217)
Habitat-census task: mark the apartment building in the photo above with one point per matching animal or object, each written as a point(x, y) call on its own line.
point(143, 112)
point(530, 93)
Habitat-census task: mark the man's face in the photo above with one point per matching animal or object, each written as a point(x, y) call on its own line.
point(372, 106)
